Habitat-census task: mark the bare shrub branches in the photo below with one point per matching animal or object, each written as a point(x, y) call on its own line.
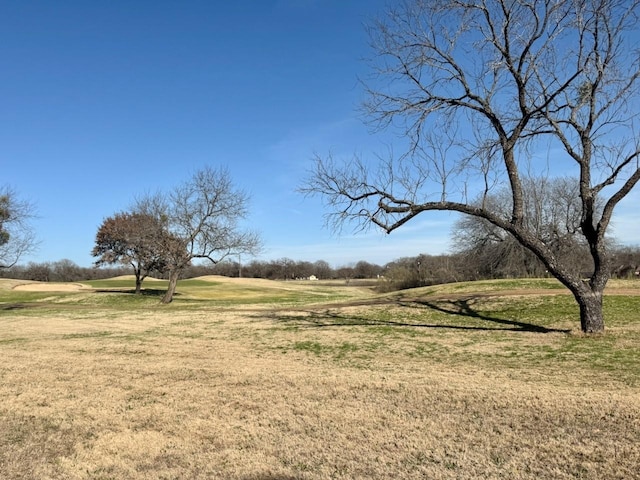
point(17, 237)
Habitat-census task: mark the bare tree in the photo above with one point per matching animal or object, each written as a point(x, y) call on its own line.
point(17, 237)
point(552, 210)
point(322, 269)
point(201, 218)
point(131, 239)
point(66, 270)
point(480, 89)
point(626, 262)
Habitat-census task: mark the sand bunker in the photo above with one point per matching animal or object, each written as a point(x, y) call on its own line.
point(51, 287)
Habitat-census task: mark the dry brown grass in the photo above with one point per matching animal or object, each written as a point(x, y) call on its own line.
point(221, 392)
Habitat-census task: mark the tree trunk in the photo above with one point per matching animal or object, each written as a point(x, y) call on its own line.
point(138, 284)
point(591, 312)
point(173, 282)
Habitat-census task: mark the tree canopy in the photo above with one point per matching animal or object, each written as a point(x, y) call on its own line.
point(133, 239)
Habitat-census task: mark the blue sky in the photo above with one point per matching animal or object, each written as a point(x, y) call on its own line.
point(103, 101)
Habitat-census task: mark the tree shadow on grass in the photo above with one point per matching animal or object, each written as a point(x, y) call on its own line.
point(455, 308)
point(22, 306)
point(463, 307)
point(145, 292)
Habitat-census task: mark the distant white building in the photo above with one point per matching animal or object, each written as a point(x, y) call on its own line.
point(313, 277)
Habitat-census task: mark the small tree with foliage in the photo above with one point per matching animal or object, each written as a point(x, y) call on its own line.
point(131, 239)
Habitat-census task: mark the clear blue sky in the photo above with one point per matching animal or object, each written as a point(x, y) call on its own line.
point(103, 101)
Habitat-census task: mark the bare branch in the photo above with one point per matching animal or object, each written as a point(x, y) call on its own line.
point(17, 237)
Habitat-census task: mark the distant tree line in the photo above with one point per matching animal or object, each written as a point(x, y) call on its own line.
point(402, 273)
point(63, 270)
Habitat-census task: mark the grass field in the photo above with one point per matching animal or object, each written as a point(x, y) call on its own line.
point(259, 380)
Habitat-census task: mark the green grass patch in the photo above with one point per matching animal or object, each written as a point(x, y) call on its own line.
point(504, 284)
point(536, 334)
point(337, 352)
point(194, 282)
point(99, 334)
point(125, 283)
point(12, 340)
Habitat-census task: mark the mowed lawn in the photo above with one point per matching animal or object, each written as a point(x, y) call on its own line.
point(260, 380)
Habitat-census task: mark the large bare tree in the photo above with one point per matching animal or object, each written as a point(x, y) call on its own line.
point(201, 218)
point(17, 237)
point(485, 93)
